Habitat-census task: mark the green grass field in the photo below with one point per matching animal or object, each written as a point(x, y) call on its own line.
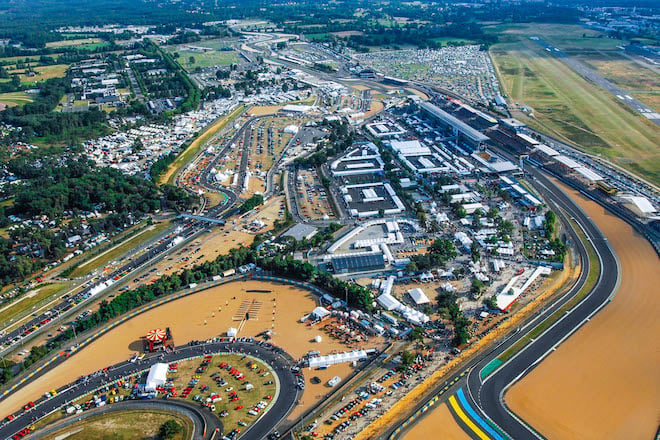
point(125, 425)
point(445, 40)
point(567, 106)
point(42, 73)
point(206, 59)
point(118, 249)
point(78, 42)
point(15, 98)
point(31, 299)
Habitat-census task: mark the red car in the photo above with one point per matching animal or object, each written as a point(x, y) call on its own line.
point(239, 407)
point(234, 399)
point(28, 405)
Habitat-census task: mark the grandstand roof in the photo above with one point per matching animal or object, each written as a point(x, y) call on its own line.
point(357, 263)
point(459, 125)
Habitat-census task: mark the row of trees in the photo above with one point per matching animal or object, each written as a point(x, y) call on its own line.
point(278, 265)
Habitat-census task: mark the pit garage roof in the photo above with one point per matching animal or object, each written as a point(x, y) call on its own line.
point(641, 203)
point(589, 174)
point(459, 125)
point(546, 150)
point(566, 161)
point(357, 263)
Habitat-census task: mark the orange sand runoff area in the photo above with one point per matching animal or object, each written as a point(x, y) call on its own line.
point(197, 317)
point(439, 424)
point(603, 382)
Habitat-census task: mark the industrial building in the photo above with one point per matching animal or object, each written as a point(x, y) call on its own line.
point(364, 159)
point(385, 129)
point(301, 231)
point(371, 199)
point(358, 262)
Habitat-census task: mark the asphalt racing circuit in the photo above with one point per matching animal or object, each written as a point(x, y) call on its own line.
point(280, 362)
point(482, 399)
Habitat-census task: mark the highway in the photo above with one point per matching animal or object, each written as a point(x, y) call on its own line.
point(280, 363)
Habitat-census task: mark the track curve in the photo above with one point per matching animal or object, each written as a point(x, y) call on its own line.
point(275, 357)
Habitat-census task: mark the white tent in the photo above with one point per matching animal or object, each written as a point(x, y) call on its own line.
point(418, 296)
point(320, 313)
point(388, 302)
point(157, 376)
point(232, 332)
point(338, 358)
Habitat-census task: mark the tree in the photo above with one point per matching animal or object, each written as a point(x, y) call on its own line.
point(412, 267)
point(474, 250)
point(491, 302)
point(407, 358)
point(417, 334)
point(191, 60)
point(478, 286)
point(169, 429)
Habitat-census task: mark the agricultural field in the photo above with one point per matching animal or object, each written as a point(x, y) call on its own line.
point(562, 103)
point(42, 73)
point(12, 99)
point(82, 43)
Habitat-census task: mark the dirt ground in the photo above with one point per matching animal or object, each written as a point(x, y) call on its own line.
point(603, 381)
point(200, 316)
point(264, 110)
point(439, 424)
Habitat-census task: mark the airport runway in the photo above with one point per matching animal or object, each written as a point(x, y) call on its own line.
point(279, 361)
point(592, 76)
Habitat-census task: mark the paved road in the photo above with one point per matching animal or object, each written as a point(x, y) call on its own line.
point(486, 397)
point(280, 362)
point(201, 418)
point(595, 78)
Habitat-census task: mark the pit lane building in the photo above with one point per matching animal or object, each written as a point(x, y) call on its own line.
point(463, 132)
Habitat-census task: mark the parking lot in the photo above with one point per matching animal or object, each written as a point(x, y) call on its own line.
point(312, 197)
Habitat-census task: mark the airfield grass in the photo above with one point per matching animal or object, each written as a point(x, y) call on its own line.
point(622, 71)
point(119, 249)
point(124, 425)
point(195, 145)
point(652, 98)
point(21, 306)
point(12, 99)
point(569, 107)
